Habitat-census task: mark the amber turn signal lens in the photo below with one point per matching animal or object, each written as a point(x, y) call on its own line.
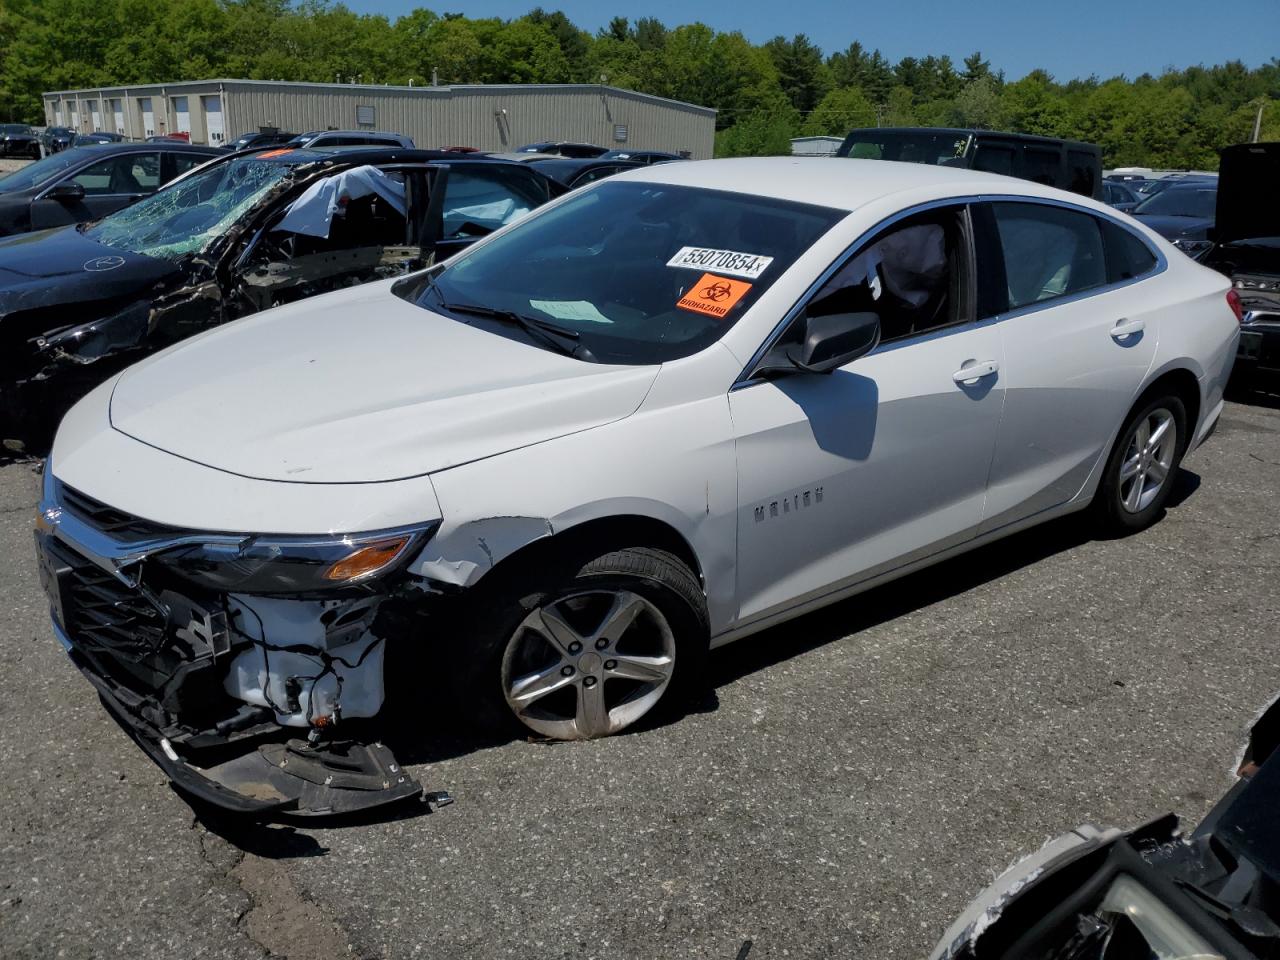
point(367, 560)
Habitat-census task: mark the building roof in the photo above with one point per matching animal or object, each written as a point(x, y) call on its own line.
point(439, 91)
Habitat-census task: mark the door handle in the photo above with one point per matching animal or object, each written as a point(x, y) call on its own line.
point(1126, 328)
point(975, 370)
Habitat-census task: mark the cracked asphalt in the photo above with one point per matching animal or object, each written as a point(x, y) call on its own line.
point(862, 773)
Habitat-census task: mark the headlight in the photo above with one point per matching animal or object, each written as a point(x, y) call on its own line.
point(274, 565)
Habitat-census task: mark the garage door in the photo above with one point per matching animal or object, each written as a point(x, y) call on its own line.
point(95, 116)
point(117, 112)
point(183, 113)
point(148, 117)
point(213, 119)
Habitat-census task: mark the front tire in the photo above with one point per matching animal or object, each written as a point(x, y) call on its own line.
point(1139, 474)
point(585, 649)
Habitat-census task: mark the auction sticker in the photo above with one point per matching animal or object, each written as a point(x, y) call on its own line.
point(749, 265)
point(713, 295)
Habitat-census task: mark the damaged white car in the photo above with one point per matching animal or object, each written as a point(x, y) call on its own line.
point(654, 416)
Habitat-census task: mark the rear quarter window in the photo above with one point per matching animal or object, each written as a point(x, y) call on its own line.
point(1128, 257)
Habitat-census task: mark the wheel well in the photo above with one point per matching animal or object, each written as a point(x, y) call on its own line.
point(1185, 386)
point(601, 536)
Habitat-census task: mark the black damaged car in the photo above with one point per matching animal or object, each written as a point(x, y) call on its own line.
point(1153, 893)
point(1246, 247)
point(247, 232)
point(18, 140)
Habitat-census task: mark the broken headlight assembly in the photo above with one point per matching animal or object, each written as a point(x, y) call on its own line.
point(267, 565)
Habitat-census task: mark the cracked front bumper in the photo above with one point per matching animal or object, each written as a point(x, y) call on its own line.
point(276, 777)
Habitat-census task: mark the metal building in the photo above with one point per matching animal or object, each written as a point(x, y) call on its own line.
point(488, 117)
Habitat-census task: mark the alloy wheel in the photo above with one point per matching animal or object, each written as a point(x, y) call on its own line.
point(1148, 460)
point(588, 664)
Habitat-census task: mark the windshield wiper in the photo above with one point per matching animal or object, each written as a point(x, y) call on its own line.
point(560, 339)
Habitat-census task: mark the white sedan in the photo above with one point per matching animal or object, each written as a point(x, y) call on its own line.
point(655, 416)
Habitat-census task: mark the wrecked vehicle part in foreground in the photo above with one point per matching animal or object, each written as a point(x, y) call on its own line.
point(1150, 893)
point(206, 648)
point(241, 234)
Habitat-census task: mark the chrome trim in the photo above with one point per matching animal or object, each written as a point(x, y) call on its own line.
point(114, 556)
point(1162, 264)
point(60, 635)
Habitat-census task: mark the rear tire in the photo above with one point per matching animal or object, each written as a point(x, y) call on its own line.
point(1139, 475)
point(583, 648)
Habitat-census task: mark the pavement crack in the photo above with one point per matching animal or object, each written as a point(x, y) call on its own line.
point(273, 913)
point(1272, 463)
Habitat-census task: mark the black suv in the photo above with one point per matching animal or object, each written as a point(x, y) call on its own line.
point(1066, 164)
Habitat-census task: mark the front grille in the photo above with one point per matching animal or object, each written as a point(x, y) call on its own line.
point(105, 611)
point(109, 520)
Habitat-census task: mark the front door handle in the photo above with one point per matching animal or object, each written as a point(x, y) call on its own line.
point(975, 370)
point(1126, 328)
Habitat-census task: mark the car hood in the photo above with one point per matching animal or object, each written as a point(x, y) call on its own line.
point(1248, 202)
point(1176, 228)
point(62, 266)
point(362, 386)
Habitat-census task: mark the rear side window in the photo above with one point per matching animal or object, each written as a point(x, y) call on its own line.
point(1127, 256)
point(994, 158)
point(1048, 251)
point(1042, 165)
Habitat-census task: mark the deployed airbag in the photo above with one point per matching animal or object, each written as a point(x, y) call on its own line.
point(312, 213)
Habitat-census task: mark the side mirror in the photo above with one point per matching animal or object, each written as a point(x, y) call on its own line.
point(68, 192)
point(828, 342)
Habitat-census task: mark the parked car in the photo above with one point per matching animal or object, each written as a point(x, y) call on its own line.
point(563, 148)
point(1246, 248)
point(320, 139)
point(1067, 164)
point(18, 140)
point(1151, 187)
point(1182, 213)
point(56, 138)
point(254, 140)
point(1119, 195)
point(574, 173)
point(98, 136)
point(179, 136)
point(247, 232)
point(1153, 892)
point(667, 411)
point(86, 183)
point(641, 156)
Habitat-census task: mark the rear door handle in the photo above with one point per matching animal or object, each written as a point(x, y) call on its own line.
point(1126, 328)
point(975, 370)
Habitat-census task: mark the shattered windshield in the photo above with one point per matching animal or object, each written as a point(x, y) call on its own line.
point(635, 272)
point(42, 171)
point(188, 216)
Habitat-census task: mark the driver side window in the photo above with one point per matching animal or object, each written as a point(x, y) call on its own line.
point(912, 275)
point(347, 229)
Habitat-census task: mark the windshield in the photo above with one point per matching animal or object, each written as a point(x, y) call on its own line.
point(935, 149)
point(42, 171)
point(188, 216)
point(1182, 201)
point(642, 273)
point(14, 128)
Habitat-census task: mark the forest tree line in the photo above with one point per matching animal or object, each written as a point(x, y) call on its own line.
point(765, 93)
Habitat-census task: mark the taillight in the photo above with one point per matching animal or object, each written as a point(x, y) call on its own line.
point(1233, 301)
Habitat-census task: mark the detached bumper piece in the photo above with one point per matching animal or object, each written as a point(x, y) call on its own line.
point(294, 778)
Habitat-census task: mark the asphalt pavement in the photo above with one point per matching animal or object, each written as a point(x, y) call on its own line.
point(861, 773)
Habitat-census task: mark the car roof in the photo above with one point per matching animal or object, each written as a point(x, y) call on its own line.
point(168, 146)
point(975, 132)
point(840, 183)
point(350, 133)
point(363, 153)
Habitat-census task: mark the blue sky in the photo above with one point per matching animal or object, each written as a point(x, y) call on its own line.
point(1069, 39)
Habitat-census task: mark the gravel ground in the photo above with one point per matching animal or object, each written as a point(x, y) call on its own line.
point(8, 166)
point(864, 771)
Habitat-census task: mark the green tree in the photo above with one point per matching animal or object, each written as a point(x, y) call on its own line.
point(802, 74)
point(839, 112)
point(762, 133)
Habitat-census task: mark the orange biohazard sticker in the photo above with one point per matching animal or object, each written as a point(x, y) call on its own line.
point(713, 295)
